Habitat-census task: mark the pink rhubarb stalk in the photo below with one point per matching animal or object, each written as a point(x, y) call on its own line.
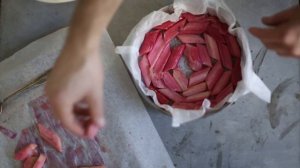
point(214, 75)
point(195, 27)
point(225, 56)
point(222, 82)
point(40, 161)
point(50, 137)
point(172, 95)
point(157, 49)
point(170, 82)
point(199, 76)
point(192, 54)
point(149, 41)
point(174, 30)
point(26, 152)
point(174, 57)
point(145, 70)
point(181, 79)
point(195, 89)
point(187, 106)
point(212, 47)
point(190, 38)
point(161, 98)
point(158, 67)
point(197, 97)
point(206, 60)
point(234, 46)
point(224, 93)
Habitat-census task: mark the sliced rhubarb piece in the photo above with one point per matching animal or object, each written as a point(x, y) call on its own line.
point(157, 49)
point(215, 34)
point(187, 106)
point(180, 79)
point(156, 80)
point(165, 26)
point(212, 47)
point(222, 82)
point(29, 162)
point(225, 56)
point(40, 161)
point(195, 89)
point(174, 30)
point(174, 96)
point(194, 28)
point(197, 97)
point(199, 76)
point(26, 152)
point(190, 38)
point(236, 72)
point(193, 18)
point(174, 57)
point(192, 54)
point(214, 75)
point(234, 46)
point(206, 60)
point(170, 82)
point(161, 98)
point(50, 137)
point(225, 92)
point(158, 67)
point(149, 41)
point(145, 70)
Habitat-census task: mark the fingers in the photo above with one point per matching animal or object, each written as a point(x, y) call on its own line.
point(280, 17)
point(266, 34)
point(63, 110)
point(96, 108)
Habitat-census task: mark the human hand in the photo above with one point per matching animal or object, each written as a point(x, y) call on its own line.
point(77, 77)
point(283, 35)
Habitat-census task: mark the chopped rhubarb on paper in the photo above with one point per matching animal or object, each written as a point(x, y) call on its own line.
point(149, 41)
point(157, 49)
point(174, 58)
point(234, 47)
point(214, 75)
point(174, 30)
point(225, 92)
point(26, 152)
point(50, 137)
point(190, 38)
point(29, 162)
point(158, 67)
point(156, 80)
point(164, 26)
point(181, 79)
point(188, 106)
point(174, 96)
point(161, 98)
point(222, 82)
point(195, 89)
point(170, 82)
point(199, 76)
point(40, 161)
point(192, 54)
point(225, 56)
point(206, 60)
point(193, 18)
point(215, 34)
point(197, 97)
point(212, 47)
point(194, 28)
point(145, 70)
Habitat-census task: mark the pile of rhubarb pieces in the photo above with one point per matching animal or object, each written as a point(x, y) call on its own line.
point(212, 53)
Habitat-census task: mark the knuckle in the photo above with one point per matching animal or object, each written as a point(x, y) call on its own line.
point(289, 37)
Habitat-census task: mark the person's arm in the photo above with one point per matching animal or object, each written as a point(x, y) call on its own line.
point(77, 74)
point(283, 33)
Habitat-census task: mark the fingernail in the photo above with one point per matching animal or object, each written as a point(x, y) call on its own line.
point(92, 131)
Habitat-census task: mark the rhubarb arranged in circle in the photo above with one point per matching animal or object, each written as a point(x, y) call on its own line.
point(212, 57)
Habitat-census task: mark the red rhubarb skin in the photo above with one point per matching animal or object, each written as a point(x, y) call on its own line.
point(162, 61)
point(225, 92)
point(172, 95)
point(180, 79)
point(50, 137)
point(192, 55)
point(234, 46)
point(170, 82)
point(40, 161)
point(195, 27)
point(212, 47)
point(197, 97)
point(149, 41)
point(188, 106)
point(199, 76)
point(206, 60)
point(190, 38)
point(157, 49)
point(174, 58)
point(225, 56)
point(195, 89)
point(222, 82)
point(174, 30)
point(214, 75)
point(161, 98)
point(145, 70)
point(26, 152)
